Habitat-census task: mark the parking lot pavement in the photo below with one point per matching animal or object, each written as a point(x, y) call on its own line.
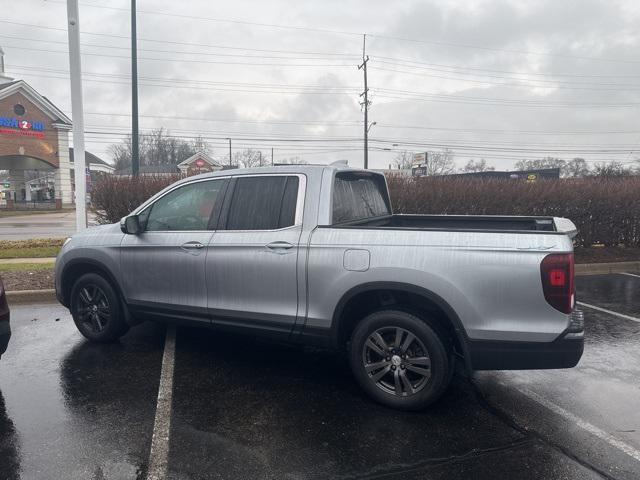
point(591, 410)
point(74, 410)
point(617, 292)
point(244, 408)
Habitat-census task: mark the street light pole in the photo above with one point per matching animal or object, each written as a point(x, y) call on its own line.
point(77, 112)
point(365, 103)
point(135, 141)
point(229, 151)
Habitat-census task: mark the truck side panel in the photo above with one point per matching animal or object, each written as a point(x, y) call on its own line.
point(491, 280)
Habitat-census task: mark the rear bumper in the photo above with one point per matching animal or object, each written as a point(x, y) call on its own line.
point(561, 353)
point(564, 352)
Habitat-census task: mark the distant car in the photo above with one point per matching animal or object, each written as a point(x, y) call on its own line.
point(5, 329)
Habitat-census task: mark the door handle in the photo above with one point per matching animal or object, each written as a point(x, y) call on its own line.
point(192, 245)
point(279, 245)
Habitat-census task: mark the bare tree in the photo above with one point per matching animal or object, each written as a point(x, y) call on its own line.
point(403, 160)
point(200, 144)
point(611, 169)
point(291, 161)
point(440, 163)
point(541, 163)
point(477, 166)
point(249, 157)
point(576, 168)
point(156, 148)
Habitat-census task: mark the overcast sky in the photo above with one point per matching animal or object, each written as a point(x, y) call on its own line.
point(500, 80)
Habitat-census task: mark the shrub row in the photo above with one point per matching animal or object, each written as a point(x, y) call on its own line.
point(605, 210)
point(114, 197)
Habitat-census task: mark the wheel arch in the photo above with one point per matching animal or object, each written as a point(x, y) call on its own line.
point(393, 294)
point(76, 268)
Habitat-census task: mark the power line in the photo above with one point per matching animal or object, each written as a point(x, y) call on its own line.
point(477, 145)
point(318, 56)
point(185, 80)
point(425, 97)
point(382, 125)
point(352, 33)
point(201, 119)
point(197, 87)
point(463, 71)
point(190, 134)
point(441, 98)
point(467, 68)
point(220, 20)
point(173, 42)
point(184, 60)
point(503, 84)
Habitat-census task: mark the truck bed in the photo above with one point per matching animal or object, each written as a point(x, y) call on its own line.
point(488, 223)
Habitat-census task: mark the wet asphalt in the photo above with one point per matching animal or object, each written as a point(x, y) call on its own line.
point(54, 224)
point(249, 409)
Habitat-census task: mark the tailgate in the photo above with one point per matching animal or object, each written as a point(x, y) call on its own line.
point(566, 226)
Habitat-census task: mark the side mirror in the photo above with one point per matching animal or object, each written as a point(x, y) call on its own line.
point(130, 225)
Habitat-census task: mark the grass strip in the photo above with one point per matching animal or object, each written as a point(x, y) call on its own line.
point(29, 252)
point(25, 267)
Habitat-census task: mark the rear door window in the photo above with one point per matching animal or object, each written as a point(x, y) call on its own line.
point(359, 195)
point(263, 203)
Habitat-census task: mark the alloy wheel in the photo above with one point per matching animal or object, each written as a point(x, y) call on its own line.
point(396, 361)
point(92, 308)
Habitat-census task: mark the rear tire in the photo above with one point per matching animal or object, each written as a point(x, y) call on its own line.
point(400, 360)
point(96, 309)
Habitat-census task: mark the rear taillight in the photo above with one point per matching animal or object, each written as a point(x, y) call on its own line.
point(557, 281)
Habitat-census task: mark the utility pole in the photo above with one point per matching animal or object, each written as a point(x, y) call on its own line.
point(77, 111)
point(365, 103)
point(135, 141)
point(272, 156)
point(260, 153)
point(229, 151)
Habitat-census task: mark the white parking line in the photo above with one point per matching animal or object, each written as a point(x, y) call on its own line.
point(610, 312)
point(630, 274)
point(592, 429)
point(159, 454)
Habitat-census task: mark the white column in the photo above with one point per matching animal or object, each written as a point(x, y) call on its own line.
point(62, 177)
point(77, 110)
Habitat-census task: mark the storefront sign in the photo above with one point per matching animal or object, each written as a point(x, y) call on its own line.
point(14, 126)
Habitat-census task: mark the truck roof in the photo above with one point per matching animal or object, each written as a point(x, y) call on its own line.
point(278, 169)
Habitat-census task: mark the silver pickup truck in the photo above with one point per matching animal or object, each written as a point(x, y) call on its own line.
point(314, 254)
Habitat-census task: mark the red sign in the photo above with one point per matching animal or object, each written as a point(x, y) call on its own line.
point(24, 131)
point(199, 163)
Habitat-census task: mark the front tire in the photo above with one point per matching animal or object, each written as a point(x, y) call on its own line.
point(96, 309)
point(400, 360)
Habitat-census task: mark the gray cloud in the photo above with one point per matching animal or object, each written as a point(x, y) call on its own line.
point(565, 30)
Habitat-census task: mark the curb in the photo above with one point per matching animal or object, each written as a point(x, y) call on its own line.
point(31, 296)
point(604, 268)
